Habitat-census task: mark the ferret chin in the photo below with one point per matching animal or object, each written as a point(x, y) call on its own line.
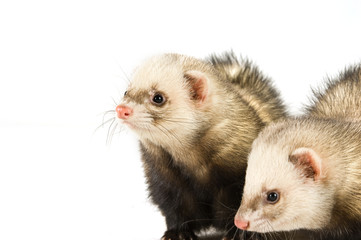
point(196, 121)
point(305, 173)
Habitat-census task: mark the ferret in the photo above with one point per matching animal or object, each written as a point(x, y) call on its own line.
point(305, 172)
point(196, 120)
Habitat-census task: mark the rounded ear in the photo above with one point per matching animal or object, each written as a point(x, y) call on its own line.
point(308, 162)
point(199, 85)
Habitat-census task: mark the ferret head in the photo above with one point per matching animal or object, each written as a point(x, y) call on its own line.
point(167, 98)
point(285, 185)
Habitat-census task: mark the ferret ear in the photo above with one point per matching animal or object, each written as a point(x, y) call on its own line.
point(308, 161)
point(199, 85)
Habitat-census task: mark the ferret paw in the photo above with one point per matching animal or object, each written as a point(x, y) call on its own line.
point(178, 235)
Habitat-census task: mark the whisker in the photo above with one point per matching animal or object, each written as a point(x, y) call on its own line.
point(106, 112)
point(177, 121)
point(235, 233)
point(167, 132)
point(270, 225)
point(144, 116)
point(122, 70)
point(109, 130)
point(115, 102)
point(229, 230)
point(163, 131)
point(180, 118)
point(125, 74)
point(149, 131)
point(242, 235)
point(232, 209)
point(263, 236)
point(113, 131)
point(196, 220)
point(103, 124)
point(292, 235)
point(281, 233)
point(272, 233)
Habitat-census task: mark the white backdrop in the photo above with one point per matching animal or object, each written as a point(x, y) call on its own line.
point(63, 62)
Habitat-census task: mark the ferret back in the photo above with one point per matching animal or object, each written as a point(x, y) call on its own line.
point(341, 98)
point(255, 88)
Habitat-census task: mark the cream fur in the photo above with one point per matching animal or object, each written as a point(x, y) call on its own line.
point(332, 136)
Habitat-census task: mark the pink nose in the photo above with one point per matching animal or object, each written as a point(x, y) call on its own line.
point(123, 112)
point(241, 224)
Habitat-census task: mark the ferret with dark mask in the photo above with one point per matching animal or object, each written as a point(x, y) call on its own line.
point(196, 120)
point(305, 173)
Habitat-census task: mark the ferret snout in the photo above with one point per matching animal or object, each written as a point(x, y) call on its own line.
point(123, 112)
point(241, 223)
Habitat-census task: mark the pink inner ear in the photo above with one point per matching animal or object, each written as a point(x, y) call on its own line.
point(308, 163)
point(200, 89)
point(199, 85)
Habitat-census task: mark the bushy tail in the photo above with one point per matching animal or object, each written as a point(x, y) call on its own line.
point(341, 97)
point(256, 89)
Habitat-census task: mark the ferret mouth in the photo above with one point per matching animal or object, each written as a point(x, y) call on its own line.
point(129, 124)
point(135, 126)
point(261, 226)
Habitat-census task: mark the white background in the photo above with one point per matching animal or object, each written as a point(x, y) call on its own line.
point(63, 62)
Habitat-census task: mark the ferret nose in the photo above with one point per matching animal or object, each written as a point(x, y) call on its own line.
point(123, 112)
point(241, 224)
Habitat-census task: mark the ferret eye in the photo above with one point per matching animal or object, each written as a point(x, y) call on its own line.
point(125, 93)
point(158, 99)
point(273, 197)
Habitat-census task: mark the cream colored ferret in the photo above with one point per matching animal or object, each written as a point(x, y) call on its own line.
point(305, 173)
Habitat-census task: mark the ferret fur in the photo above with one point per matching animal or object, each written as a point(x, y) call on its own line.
point(341, 98)
point(314, 163)
point(194, 147)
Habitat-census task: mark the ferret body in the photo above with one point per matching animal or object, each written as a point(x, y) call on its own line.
point(305, 173)
point(340, 99)
point(196, 121)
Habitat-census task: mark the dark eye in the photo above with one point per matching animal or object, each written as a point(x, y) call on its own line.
point(125, 93)
point(158, 99)
point(273, 197)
